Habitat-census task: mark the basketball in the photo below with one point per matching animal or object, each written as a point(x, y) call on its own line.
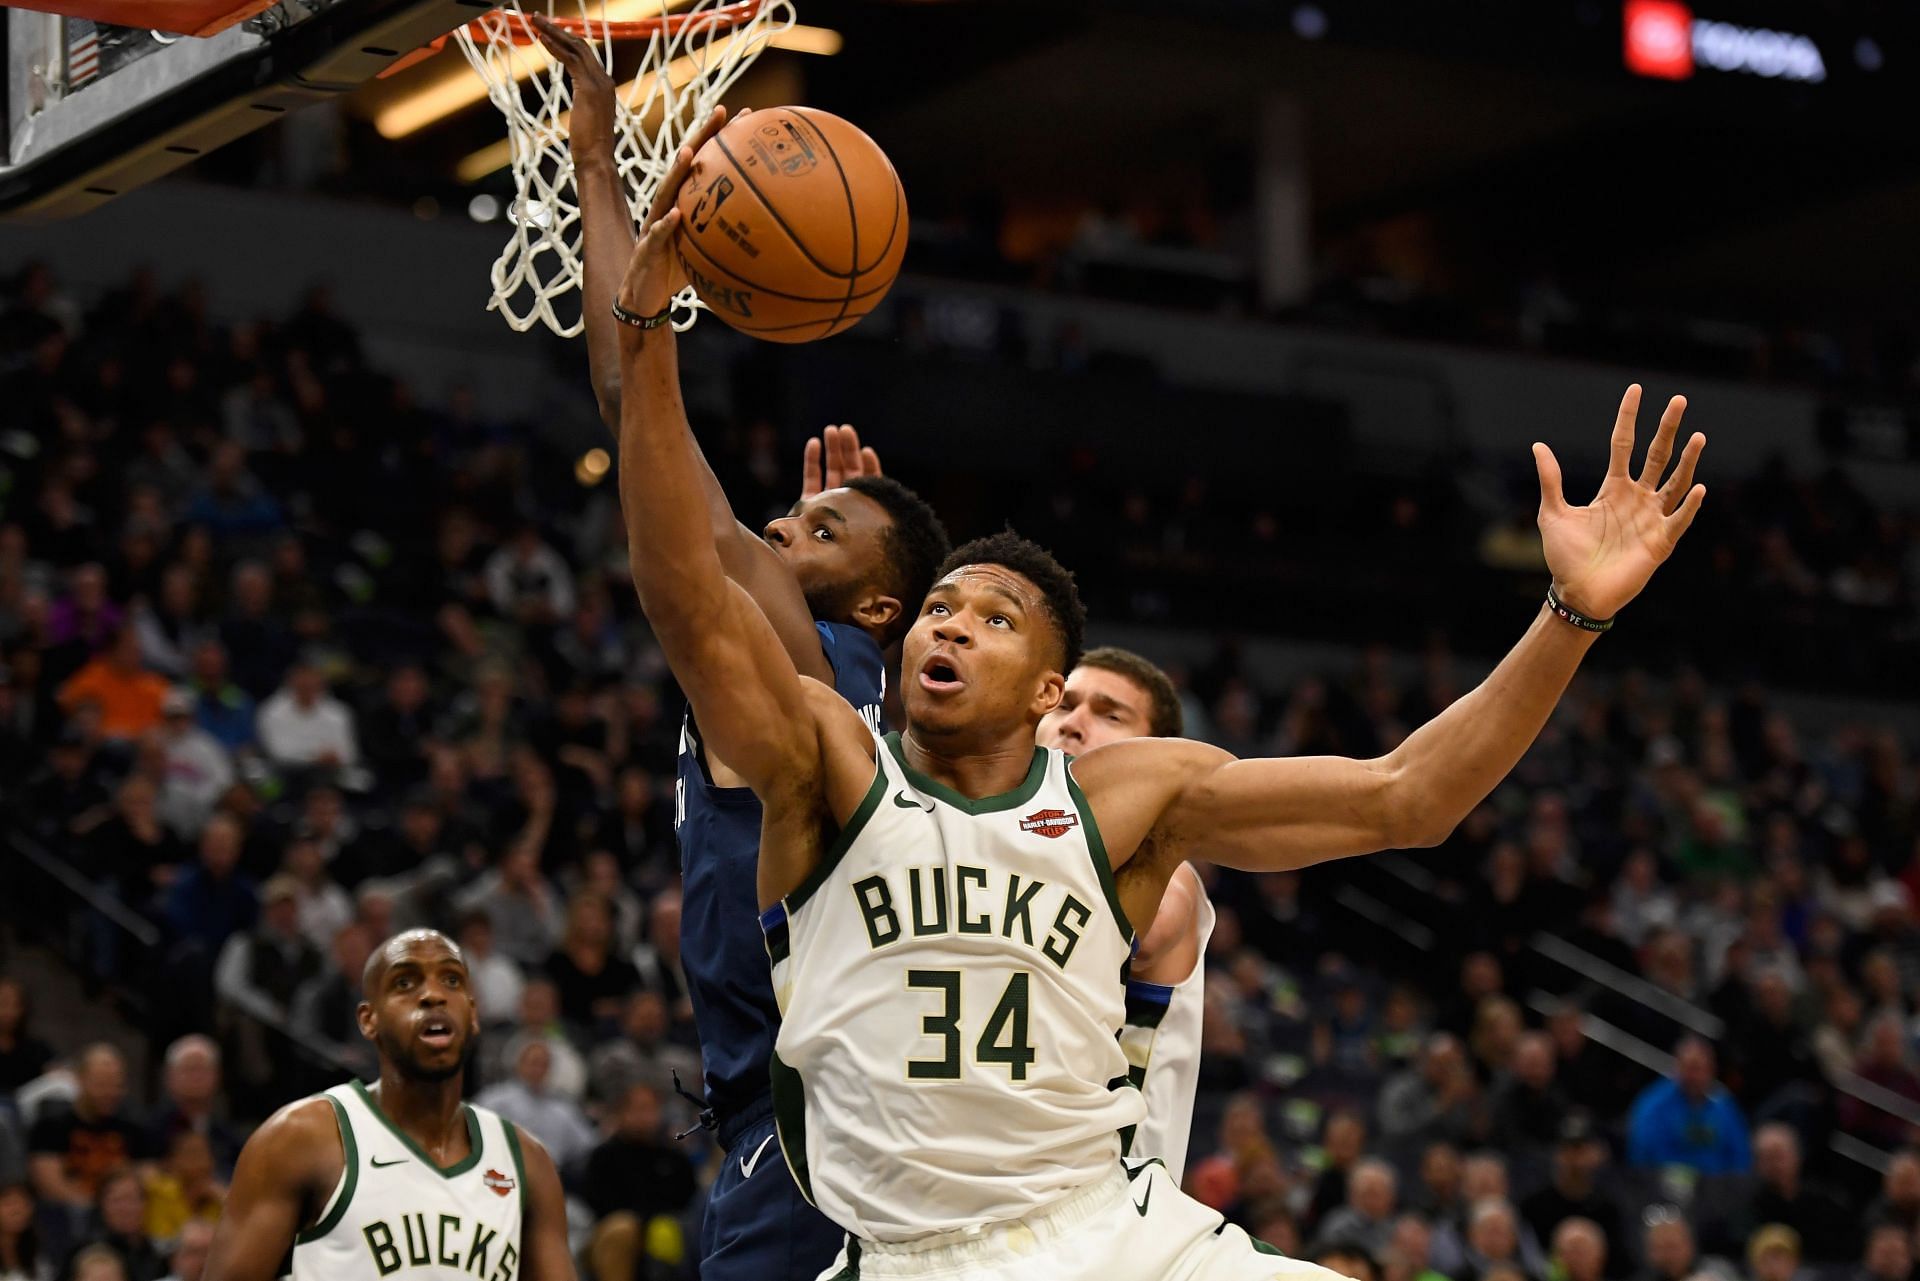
point(793, 224)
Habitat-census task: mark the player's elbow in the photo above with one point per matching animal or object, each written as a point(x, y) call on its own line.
point(1416, 818)
point(607, 393)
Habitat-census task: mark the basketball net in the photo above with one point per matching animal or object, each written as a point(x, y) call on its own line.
point(693, 54)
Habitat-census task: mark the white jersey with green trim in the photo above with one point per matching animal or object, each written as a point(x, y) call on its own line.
point(395, 1213)
point(950, 987)
point(1162, 1044)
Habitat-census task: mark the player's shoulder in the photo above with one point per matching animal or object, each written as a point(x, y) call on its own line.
point(1132, 762)
point(301, 1137)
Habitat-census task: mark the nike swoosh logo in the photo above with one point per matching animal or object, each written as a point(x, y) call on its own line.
point(748, 1167)
point(378, 1164)
point(1141, 1204)
point(906, 802)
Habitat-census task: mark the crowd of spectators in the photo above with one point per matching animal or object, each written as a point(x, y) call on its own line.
point(289, 662)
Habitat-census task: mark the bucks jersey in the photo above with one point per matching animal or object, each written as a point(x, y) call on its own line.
point(394, 1212)
point(719, 832)
point(949, 979)
point(1162, 1045)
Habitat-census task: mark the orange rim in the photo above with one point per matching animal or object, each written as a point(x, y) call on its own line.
point(727, 15)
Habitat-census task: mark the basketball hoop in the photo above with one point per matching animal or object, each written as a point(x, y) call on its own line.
point(691, 58)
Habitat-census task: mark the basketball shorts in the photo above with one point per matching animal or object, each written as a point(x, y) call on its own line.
point(758, 1227)
point(1134, 1224)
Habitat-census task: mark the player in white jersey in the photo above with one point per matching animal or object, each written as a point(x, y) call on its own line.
point(949, 909)
point(402, 1179)
point(1115, 694)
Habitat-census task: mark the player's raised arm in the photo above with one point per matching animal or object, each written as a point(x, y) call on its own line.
point(743, 685)
point(284, 1175)
point(1282, 813)
point(606, 225)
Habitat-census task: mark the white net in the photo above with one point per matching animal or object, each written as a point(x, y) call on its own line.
point(691, 56)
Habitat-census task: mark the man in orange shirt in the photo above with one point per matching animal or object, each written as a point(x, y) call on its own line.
point(127, 694)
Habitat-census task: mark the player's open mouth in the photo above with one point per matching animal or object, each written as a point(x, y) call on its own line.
point(939, 675)
point(437, 1031)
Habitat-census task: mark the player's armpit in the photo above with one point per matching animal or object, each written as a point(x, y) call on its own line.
point(543, 1237)
point(1171, 946)
point(285, 1173)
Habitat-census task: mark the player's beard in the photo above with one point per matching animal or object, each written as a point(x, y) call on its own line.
point(832, 602)
point(401, 1054)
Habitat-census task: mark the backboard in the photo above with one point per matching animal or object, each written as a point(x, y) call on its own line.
point(95, 109)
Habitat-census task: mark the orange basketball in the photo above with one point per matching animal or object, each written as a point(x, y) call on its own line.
point(793, 224)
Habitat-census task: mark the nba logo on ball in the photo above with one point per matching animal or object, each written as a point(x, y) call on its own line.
point(1050, 823)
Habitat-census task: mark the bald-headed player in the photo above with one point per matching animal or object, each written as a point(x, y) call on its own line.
point(402, 1179)
point(1115, 694)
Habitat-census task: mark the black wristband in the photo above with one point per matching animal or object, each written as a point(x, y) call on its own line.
point(1579, 620)
point(639, 321)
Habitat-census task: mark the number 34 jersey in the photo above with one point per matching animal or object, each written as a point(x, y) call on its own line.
point(950, 987)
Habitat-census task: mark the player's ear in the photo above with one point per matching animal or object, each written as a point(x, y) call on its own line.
point(875, 613)
point(364, 1016)
point(1047, 696)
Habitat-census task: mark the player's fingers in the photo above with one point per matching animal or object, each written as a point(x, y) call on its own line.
point(1623, 432)
point(1680, 521)
point(1681, 481)
point(1660, 449)
point(1552, 500)
point(869, 462)
point(846, 452)
point(810, 469)
point(562, 44)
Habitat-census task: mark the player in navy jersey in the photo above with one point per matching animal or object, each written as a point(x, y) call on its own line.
point(837, 578)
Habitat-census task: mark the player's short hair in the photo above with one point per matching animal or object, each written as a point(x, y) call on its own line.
point(915, 544)
point(1165, 717)
point(1037, 565)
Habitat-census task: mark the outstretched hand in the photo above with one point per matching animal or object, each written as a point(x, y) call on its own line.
point(590, 128)
point(1603, 554)
point(654, 274)
point(833, 458)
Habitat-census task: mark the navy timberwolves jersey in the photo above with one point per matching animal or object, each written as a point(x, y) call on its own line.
point(727, 972)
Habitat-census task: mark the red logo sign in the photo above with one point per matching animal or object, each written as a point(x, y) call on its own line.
point(1050, 822)
point(500, 1183)
point(1659, 39)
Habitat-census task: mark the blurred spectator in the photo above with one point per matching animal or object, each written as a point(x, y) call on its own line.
point(120, 1226)
point(189, 1260)
point(323, 907)
point(1668, 1248)
point(1408, 1251)
point(497, 983)
point(1579, 1251)
point(255, 645)
point(528, 581)
point(1493, 1241)
point(1347, 1261)
point(641, 1054)
point(97, 1263)
point(1899, 1199)
point(637, 1183)
point(1436, 1100)
point(1823, 1228)
point(213, 900)
point(1773, 1254)
point(133, 853)
point(1888, 1256)
point(183, 1189)
point(73, 1149)
point(592, 981)
point(220, 707)
point(23, 1055)
point(199, 771)
point(125, 694)
point(1885, 1061)
point(525, 1100)
point(22, 1258)
point(191, 1103)
point(232, 505)
point(1366, 1219)
point(1527, 1108)
point(327, 1007)
point(1575, 1190)
point(1342, 1144)
point(539, 1019)
point(261, 969)
point(303, 726)
point(1689, 1119)
point(525, 912)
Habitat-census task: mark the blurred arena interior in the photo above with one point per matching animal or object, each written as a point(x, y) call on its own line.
point(315, 620)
